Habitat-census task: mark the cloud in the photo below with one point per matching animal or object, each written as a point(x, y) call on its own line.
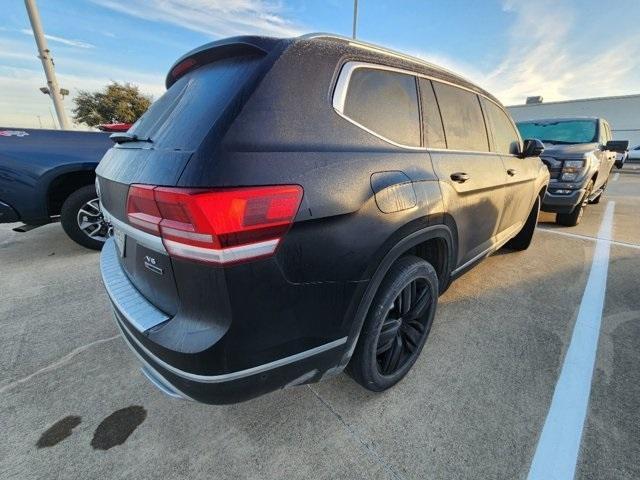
point(554, 55)
point(219, 18)
point(61, 40)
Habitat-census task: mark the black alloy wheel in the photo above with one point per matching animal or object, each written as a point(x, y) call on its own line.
point(403, 326)
point(397, 324)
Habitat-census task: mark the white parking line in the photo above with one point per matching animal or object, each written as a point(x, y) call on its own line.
point(557, 451)
point(587, 237)
point(616, 176)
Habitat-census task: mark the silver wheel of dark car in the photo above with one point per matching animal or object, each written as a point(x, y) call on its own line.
point(82, 218)
point(91, 222)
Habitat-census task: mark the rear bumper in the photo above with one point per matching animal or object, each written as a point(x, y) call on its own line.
point(133, 312)
point(8, 214)
point(562, 203)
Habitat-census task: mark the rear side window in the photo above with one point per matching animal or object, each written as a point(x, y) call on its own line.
point(182, 117)
point(386, 103)
point(462, 118)
point(431, 120)
point(505, 137)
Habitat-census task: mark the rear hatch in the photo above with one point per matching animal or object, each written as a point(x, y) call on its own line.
point(205, 91)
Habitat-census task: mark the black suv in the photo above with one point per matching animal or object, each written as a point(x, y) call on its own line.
point(292, 207)
point(580, 154)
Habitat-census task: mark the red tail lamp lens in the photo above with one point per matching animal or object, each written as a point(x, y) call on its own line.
point(218, 226)
point(142, 210)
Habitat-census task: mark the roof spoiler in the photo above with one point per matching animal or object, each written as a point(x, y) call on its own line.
point(221, 49)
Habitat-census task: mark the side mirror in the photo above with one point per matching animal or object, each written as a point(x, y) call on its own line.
point(532, 148)
point(618, 146)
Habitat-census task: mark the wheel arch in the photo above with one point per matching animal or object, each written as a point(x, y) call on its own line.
point(411, 243)
point(63, 185)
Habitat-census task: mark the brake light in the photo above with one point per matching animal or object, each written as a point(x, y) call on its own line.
point(215, 226)
point(182, 67)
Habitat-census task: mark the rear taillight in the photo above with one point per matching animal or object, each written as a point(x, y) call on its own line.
point(215, 226)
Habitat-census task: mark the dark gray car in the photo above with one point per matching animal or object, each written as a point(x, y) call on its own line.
point(290, 208)
point(580, 154)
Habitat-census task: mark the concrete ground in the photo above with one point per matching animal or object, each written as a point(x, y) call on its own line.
point(73, 403)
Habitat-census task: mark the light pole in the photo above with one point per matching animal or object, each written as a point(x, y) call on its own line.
point(52, 89)
point(355, 17)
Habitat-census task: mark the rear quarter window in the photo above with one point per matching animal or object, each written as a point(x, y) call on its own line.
point(462, 118)
point(195, 104)
point(386, 103)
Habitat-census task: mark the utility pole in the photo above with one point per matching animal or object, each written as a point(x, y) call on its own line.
point(355, 17)
point(52, 89)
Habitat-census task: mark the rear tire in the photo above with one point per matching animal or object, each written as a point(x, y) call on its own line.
point(573, 218)
point(82, 220)
point(397, 325)
point(523, 239)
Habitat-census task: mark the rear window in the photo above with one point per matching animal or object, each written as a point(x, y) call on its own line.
point(462, 118)
point(182, 117)
point(386, 103)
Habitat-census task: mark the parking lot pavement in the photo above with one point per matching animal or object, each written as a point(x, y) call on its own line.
point(473, 406)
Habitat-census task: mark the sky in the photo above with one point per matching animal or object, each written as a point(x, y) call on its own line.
point(560, 49)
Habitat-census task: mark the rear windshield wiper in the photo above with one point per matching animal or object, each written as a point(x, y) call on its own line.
point(125, 137)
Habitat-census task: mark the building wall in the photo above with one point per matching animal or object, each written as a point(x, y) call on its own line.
point(622, 113)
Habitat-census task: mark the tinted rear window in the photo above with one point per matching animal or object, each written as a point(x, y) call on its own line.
point(181, 118)
point(462, 118)
point(385, 103)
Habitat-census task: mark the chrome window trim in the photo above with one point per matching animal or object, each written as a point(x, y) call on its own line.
point(340, 98)
point(342, 87)
point(227, 377)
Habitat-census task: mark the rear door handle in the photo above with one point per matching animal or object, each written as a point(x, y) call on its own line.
point(511, 172)
point(459, 177)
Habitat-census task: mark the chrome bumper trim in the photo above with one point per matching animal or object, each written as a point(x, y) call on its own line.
point(127, 299)
point(227, 377)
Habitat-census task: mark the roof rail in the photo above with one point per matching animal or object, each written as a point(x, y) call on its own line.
point(383, 50)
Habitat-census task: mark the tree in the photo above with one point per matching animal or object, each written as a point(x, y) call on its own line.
point(116, 103)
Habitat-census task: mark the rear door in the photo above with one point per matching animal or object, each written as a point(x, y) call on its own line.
point(521, 172)
point(472, 177)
